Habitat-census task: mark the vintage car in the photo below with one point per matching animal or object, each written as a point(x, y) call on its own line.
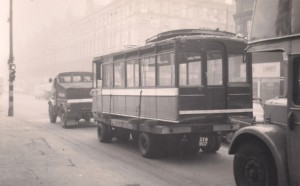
point(71, 99)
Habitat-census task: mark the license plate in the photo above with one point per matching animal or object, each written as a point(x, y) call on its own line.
point(203, 141)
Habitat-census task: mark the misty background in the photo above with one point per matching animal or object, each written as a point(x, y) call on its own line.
point(55, 36)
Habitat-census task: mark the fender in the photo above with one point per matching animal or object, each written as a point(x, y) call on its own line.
point(274, 137)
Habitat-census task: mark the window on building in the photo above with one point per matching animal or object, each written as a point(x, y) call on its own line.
point(148, 71)
point(133, 75)
point(166, 69)
point(190, 70)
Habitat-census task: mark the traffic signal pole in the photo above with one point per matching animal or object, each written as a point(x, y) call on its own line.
point(11, 64)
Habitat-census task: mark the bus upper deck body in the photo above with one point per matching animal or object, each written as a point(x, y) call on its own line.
point(268, 154)
point(190, 83)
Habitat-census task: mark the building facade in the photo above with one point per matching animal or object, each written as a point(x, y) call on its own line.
point(72, 44)
point(243, 16)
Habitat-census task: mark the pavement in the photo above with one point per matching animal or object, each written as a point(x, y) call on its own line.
point(29, 156)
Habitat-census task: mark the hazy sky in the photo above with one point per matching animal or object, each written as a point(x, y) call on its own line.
point(30, 16)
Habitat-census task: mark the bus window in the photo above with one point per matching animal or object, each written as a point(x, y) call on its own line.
point(133, 74)
point(236, 68)
point(148, 71)
point(107, 75)
point(214, 68)
point(119, 74)
point(190, 70)
point(166, 70)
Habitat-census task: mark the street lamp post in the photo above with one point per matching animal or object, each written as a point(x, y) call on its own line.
point(11, 65)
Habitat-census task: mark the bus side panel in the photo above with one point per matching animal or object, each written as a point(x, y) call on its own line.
point(106, 103)
point(239, 97)
point(192, 98)
point(148, 108)
point(132, 105)
point(167, 108)
point(119, 104)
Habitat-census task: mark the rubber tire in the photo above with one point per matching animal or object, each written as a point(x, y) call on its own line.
point(148, 145)
point(213, 144)
point(64, 120)
point(254, 153)
point(123, 135)
point(52, 116)
point(172, 144)
point(135, 136)
point(191, 146)
point(104, 133)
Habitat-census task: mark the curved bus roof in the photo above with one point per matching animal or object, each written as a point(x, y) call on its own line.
point(188, 32)
point(170, 37)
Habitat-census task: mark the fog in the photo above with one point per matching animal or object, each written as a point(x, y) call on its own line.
point(54, 36)
point(30, 18)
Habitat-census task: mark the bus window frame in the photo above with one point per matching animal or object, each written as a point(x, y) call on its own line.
point(183, 61)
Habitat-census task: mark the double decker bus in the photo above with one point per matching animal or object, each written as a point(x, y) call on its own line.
point(176, 93)
point(268, 154)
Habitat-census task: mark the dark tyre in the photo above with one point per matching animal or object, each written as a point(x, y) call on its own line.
point(172, 144)
point(191, 145)
point(123, 135)
point(254, 165)
point(213, 144)
point(135, 136)
point(104, 133)
point(52, 115)
point(148, 145)
point(64, 119)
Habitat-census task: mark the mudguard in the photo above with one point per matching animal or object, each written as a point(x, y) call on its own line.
point(274, 137)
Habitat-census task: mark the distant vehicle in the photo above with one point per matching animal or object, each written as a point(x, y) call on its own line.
point(179, 90)
point(71, 99)
point(42, 91)
point(269, 154)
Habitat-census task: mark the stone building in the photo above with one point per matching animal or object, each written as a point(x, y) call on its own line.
point(72, 44)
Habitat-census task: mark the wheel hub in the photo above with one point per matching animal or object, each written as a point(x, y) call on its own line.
point(254, 172)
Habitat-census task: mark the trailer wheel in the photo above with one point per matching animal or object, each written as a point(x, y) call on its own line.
point(254, 165)
point(148, 145)
point(172, 144)
point(213, 144)
point(123, 135)
point(104, 133)
point(135, 136)
point(191, 145)
point(52, 115)
point(64, 119)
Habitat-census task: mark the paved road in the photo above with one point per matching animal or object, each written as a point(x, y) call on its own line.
point(36, 152)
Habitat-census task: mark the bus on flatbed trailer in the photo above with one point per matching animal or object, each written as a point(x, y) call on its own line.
point(269, 154)
point(178, 92)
